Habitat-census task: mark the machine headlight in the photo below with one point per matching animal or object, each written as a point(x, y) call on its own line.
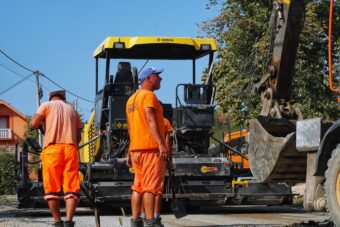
point(119, 45)
point(205, 47)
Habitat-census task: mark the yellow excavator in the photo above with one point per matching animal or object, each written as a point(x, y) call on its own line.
point(284, 147)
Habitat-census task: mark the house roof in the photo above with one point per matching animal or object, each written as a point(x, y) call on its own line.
point(2, 102)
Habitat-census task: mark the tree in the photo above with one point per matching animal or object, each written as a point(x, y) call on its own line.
point(29, 132)
point(242, 32)
point(6, 173)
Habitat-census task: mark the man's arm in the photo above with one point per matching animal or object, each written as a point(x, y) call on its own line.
point(36, 121)
point(79, 135)
point(128, 158)
point(79, 126)
point(152, 124)
point(168, 141)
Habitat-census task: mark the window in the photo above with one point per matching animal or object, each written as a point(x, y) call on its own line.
point(5, 132)
point(3, 122)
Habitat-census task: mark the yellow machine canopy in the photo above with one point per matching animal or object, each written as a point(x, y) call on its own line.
point(155, 48)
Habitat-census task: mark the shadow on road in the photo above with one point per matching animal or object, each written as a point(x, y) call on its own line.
point(12, 211)
point(253, 209)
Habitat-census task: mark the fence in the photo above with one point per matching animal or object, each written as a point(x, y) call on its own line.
point(5, 133)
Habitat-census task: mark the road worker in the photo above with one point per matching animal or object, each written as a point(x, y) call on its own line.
point(60, 155)
point(148, 149)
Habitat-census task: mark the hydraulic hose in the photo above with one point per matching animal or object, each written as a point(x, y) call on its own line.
point(330, 29)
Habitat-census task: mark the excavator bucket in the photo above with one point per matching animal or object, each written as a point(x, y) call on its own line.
point(272, 153)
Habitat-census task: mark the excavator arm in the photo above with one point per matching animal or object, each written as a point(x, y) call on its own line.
point(286, 23)
point(272, 135)
point(273, 156)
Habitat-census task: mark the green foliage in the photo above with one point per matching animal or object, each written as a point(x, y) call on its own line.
point(3, 149)
point(223, 125)
point(7, 174)
point(29, 132)
point(242, 32)
point(220, 127)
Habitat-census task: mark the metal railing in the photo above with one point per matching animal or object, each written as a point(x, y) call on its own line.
point(5, 133)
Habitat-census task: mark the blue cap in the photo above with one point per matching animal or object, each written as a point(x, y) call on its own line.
point(147, 72)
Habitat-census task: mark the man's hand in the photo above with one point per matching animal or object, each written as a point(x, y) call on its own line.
point(128, 159)
point(163, 151)
point(36, 121)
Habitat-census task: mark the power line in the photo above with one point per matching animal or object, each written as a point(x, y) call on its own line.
point(18, 74)
point(143, 66)
point(16, 84)
point(16, 62)
point(12, 71)
point(65, 89)
point(43, 76)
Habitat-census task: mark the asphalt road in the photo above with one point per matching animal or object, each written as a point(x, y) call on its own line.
point(212, 217)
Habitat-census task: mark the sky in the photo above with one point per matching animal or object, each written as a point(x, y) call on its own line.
point(58, 39)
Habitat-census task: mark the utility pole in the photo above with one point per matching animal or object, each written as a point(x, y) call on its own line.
point(76, 105)
point(37, 74)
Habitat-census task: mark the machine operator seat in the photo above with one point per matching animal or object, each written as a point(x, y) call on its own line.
point(196, 114)
point(123, 81)
point(195, 94)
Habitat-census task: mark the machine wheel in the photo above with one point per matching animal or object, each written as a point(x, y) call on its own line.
point(333, 186)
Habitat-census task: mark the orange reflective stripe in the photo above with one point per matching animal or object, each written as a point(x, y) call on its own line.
point(69, 196)
point(50, 196)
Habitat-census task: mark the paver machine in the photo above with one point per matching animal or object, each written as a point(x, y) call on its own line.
point(198, 175)
point(202, 176)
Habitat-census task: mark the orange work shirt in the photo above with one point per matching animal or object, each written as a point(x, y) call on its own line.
point(139, 132)
point(168, 127)
point(61, 123)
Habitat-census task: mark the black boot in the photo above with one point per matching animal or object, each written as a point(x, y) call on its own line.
point(59, 224)
point(149, 223)
point(69, 224)
point(137, 223)
point(158, 222)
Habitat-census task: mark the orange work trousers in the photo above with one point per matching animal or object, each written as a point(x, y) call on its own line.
point(149, 171)
point(60, 171)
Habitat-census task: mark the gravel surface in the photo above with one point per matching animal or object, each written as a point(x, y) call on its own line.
point(226, 216)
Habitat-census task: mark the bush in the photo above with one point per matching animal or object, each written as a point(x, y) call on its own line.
point(7, 174)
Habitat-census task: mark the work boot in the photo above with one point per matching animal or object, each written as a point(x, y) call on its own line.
point(58, 224)
point(144, 220)
point(69, 224)
point(158, 222)
point(137, 223)
point(149, 223)
point(143, 217)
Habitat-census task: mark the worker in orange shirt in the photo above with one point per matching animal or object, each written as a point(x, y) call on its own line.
point(147, 149)
point(60, 155)
point(158, 199)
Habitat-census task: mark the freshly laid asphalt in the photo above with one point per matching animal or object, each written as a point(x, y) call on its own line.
point(212, 217)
